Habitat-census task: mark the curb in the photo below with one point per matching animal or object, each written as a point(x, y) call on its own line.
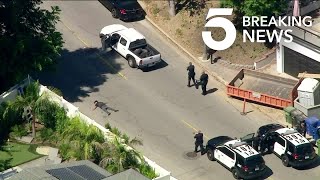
point(195, 60)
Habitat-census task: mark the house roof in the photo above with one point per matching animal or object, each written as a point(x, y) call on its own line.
point(78, 170)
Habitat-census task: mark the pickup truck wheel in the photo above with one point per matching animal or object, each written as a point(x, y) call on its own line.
point(235, 173)
point(285, 160)
point(210, 155)
point(132, 62)
point(114, 13)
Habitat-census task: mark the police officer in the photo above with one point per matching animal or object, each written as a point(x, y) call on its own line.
point(191, 74)
point(199, 142)
point(302, 129)
point(210, 55)
point(204, 81)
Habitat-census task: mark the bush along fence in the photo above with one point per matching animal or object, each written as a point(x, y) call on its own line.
point(73, 112)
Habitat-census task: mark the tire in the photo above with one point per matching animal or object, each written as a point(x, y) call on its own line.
point(210, 155)
point(132, 62)
point(114, 13)
point(285, 160)
point(235, 173)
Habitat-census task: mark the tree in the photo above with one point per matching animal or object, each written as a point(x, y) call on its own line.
point(117, 157)
point(82, 137)
point(256, 8)
point(30, 98)
point(172, 7)
point(29, 41)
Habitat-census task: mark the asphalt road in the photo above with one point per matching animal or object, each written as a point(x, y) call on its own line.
point(155, 106)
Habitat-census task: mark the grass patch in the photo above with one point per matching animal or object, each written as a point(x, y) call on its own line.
point(19, 153)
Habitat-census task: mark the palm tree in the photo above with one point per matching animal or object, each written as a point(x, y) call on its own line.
point(118, 157)
point(82, 137)
point(29, 99)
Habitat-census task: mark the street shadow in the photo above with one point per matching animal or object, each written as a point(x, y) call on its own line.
point(79, 72)
point(211, 90)
point(161, 65)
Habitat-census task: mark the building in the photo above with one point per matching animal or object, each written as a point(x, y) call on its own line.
point(78, 170)
point(303, 53)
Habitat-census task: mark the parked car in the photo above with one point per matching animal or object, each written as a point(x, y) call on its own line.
point(237, 156)
point(124, 9)
point(286, 143)
point(130, 44)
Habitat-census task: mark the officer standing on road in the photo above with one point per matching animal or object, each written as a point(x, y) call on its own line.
point(204, 81)
point(191, 74)
point(105, 42)
point(199, 142)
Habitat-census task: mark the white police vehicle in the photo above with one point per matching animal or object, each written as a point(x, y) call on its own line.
point(237, 156)
point(287, 143)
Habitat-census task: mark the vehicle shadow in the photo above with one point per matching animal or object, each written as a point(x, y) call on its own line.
point(79, 72)
point(161, 65)
point(311, 166)
point(266, 175)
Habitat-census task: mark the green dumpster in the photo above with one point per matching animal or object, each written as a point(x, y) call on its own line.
point(287, 112)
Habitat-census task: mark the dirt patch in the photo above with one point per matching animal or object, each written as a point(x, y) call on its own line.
point(186, 28)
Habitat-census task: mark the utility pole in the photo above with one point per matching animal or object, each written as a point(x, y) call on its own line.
point(205, 48)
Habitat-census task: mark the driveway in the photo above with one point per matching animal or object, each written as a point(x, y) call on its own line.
point(156, 106)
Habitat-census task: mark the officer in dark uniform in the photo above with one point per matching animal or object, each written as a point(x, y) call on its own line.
point(191, 74)
point(302, 129)
point(210, 55)
point(199, 142)
point(204, 81)
point(105, 42)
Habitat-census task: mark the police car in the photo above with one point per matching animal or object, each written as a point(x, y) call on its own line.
point(288, 144)
point(237, 156)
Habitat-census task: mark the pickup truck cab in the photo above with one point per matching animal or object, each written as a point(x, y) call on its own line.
point(130, 44)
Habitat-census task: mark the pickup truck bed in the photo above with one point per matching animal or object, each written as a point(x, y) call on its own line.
point(263, 88)
point(146, 51)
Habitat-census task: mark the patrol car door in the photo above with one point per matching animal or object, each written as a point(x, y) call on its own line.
point(217, 153)
point(248, 138)
point(226, 157)
point(279, 146)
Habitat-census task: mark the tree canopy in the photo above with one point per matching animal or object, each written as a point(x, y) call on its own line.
point(256, 8)
point(29, 41)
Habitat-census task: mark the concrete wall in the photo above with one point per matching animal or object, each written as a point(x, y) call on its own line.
point(73, 111)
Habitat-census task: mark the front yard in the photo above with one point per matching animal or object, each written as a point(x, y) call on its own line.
point(18, 153)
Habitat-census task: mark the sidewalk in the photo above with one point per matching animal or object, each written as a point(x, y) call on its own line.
point(222, 73)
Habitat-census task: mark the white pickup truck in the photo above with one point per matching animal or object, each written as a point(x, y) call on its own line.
point(130, 44)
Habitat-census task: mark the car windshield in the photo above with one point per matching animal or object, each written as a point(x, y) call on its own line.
point(254, 160)
point(304, 148)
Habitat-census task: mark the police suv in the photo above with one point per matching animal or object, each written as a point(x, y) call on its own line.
point(237, 156)
point(286, 143)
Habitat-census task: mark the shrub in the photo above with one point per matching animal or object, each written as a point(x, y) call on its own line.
point(155, 10)
point(179, 32)
point(146, 170)
point(46, 134)
point(18, 131)
point(46, 112)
